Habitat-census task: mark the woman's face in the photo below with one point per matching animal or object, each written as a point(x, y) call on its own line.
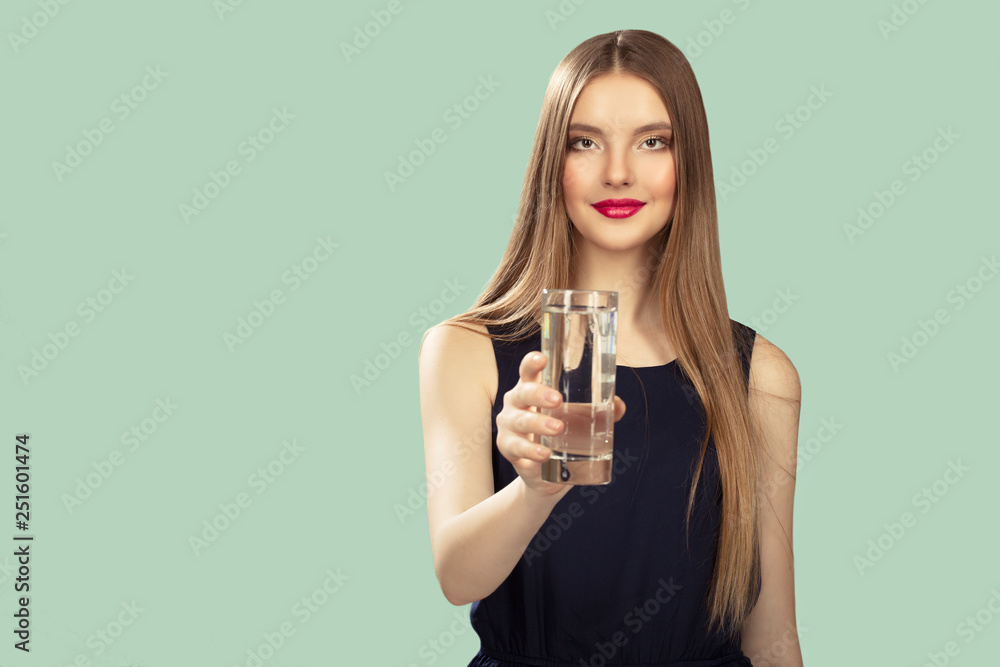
point(619, 147)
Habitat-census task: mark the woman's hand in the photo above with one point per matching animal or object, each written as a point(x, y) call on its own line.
point(520, 422)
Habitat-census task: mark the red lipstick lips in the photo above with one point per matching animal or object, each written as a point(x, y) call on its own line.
point(618, 208)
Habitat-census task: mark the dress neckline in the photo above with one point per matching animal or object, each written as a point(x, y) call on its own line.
point(643, 368)
point(673, 362)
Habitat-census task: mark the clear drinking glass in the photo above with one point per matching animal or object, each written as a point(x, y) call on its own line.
point(579, 328)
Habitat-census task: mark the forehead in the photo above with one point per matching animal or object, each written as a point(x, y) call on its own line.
point(619, 99)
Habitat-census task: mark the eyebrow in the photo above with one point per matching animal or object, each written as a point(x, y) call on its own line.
point(583, 127)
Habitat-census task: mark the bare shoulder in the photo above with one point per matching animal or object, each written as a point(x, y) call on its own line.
point(772, 372)
point(457, 369)
point(460, 347)
point(455, 333)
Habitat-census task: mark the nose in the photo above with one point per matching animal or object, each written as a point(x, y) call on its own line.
point(618, 167)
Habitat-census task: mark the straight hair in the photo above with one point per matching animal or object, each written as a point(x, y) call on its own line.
point(684, 276)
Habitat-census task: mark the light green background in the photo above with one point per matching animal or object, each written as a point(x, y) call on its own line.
point(332, 508)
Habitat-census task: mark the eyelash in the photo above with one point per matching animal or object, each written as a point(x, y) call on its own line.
point(663, 140)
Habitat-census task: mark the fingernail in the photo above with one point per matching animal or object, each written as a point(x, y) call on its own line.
point(553, 396)
point(542, 451)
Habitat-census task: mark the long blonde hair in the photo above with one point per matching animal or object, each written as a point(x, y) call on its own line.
point(687, 282)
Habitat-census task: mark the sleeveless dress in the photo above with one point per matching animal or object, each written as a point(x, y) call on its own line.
point(607, 579)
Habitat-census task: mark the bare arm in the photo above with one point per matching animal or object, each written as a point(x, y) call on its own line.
point(769, 634)
point(477, 537)
point(477, 549)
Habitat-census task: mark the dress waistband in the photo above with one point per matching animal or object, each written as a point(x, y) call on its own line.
point(492, 658)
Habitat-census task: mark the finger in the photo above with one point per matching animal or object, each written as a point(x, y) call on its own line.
point(619, 408)
point(530, 373)
point(534, 395)
point(521, 448)
point(529, 393)
point(531, 366)
point(526, 422)
point(530, 425)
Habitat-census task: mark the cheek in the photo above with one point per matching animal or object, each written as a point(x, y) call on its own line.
point(665, 177)
point(573, 175)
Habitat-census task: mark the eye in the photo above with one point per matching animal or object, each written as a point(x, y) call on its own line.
point(573, 142)
point(665, 142)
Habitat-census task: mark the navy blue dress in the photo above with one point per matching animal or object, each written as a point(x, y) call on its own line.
point(607, 579)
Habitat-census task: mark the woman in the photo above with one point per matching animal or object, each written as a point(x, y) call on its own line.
point(685, 558)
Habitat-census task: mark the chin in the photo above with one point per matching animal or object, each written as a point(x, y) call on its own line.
point(618, 242)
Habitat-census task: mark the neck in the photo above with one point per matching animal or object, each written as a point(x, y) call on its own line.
point(625, 272)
